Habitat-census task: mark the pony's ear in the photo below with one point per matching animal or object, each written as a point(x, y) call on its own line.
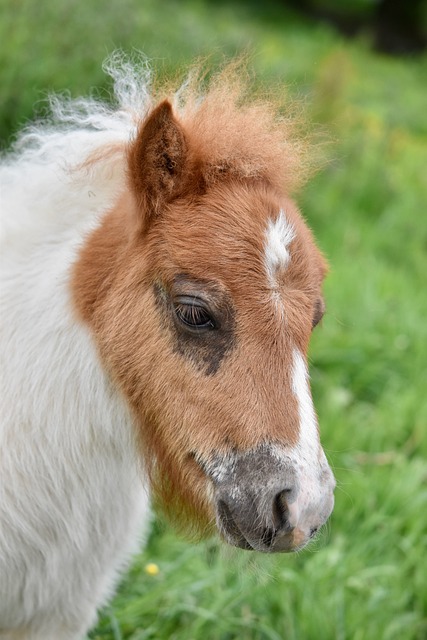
point(157, 161)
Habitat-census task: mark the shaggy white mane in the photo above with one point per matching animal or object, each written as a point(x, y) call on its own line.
point(46, 165)
point(42, 142)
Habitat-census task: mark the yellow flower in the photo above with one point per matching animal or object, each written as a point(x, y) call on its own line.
point(152, 569)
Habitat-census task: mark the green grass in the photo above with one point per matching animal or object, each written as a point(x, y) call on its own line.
point(366, 576)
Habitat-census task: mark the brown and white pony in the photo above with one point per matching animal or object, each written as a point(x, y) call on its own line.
point(159, 290)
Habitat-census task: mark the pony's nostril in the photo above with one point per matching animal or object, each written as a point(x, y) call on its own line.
point(280, 509)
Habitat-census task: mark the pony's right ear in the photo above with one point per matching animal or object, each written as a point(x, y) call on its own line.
point(157, 162)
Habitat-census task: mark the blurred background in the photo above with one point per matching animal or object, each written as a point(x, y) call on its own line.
point(360, 69)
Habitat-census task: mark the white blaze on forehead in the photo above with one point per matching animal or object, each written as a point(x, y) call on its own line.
point(280, 234)
point(308, 443)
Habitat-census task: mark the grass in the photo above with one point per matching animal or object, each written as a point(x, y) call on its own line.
point(365, 578)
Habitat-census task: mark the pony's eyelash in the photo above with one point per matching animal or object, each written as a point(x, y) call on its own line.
point(194, 316)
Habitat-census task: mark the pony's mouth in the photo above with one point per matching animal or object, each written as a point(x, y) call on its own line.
point(229, 529)
point(267, 540)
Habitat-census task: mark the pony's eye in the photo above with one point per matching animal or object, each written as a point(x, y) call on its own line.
point(192, 314)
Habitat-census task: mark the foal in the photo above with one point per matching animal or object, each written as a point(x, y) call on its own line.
point(159, 289)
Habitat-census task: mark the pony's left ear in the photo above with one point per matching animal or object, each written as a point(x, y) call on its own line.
point(157, 162)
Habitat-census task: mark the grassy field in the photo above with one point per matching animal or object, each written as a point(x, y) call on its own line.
point(366, 577)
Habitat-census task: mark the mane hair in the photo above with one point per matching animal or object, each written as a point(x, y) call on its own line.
point(236, 128)
point(232, 126)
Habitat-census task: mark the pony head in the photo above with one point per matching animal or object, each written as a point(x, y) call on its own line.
point(201, 287)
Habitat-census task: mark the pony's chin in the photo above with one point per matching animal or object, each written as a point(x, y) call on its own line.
point(282, 544)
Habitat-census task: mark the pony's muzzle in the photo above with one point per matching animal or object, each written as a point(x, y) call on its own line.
point(267, 506)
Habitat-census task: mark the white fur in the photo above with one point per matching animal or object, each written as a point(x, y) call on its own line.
point(279, 236)
point(72, 502)
point(308, 444)
point(316, 479)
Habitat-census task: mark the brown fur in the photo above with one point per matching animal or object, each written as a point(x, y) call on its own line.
point(204, 181)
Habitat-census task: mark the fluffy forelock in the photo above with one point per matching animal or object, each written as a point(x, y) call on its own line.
point(233, 127)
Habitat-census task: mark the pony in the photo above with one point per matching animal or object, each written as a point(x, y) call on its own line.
point(159, 289)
